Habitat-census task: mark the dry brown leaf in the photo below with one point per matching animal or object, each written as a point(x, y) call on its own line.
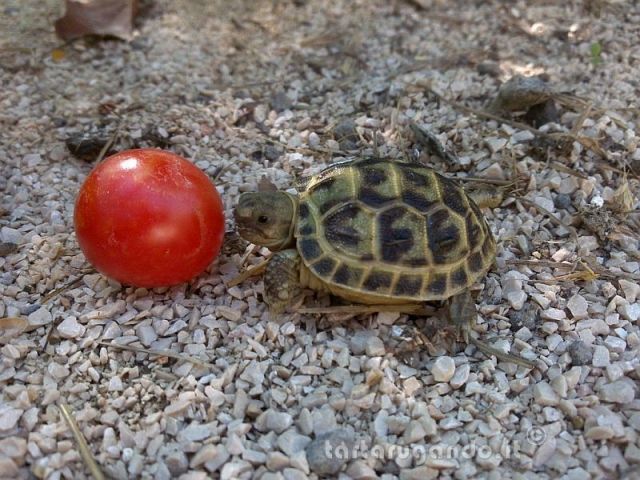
point(623, 199)
point(592, 144)
point(11, 327)
point(97, 17)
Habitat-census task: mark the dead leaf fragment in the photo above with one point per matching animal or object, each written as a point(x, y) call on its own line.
point(11, 327)
point(97, 17)
point(623, 200)
point(57, 54)
point(266, 185)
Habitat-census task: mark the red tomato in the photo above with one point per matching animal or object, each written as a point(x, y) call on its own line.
point(149, 218)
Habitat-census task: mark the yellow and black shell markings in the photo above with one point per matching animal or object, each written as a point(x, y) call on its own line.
point(383, 229)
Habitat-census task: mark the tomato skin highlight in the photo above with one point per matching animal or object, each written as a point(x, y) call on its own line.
point(149, 218)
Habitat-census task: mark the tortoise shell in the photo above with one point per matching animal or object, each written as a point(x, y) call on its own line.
point(374, 230)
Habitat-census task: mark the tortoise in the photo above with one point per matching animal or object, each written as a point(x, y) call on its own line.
point(375, 232)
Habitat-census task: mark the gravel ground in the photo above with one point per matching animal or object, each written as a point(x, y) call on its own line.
point(280, 89)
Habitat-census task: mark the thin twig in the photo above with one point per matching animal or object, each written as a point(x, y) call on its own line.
point(489, 181)
point(111, 141)
point(83, 447)
point(159, 353)
point(540, 263)
point(72, 283)
point(563, 168)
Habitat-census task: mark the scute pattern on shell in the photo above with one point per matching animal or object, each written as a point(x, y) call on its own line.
point(392, 229)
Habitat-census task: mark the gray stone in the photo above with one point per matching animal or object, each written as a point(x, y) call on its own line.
point(42, 316)
point(578, 307)
point(632, 453)
point(10, 235)
point(233, 470)
point(544, 394)
point(443, 369)
point(216, 458)
point(14, 447)
point(615, 344)
point(71, 328)
point(621, 391)
point(324, 420)
point(345, 130)
point(115, 384)
point(177, 463)
point(358, 341)
point(562, 201)
point(580, 353)
point(146, 334)
point(375, 347)
point(631, 290)
point(414, 432)
point(111, 331)
point(253, 373)
point(329, 452)
point(600, 356)
point(495, 144)
point(630, 311)
point(8, 468)
point(461, 376)
point(195, 432)
point(272, 420)
point(279, 101)
point(291, 442)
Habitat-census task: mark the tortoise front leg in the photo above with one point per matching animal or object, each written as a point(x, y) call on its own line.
point(282, 280)
point(462, 310)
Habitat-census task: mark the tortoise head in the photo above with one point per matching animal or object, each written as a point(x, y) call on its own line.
point(267, 218)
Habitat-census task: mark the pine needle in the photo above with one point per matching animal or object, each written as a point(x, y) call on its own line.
point(83, 448)
point(160, 353)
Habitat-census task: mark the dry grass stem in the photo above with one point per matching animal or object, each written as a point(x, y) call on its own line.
point(159, 353)
point(83, 447)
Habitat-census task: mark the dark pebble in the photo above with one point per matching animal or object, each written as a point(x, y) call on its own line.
point(525, 317)
point(346, 130)
point(280, 101)
point(562, 201)
point(272, 153)
point(7, 248)
point(542, 114)
point(580, 353)
point(330, 451)
point(489, 68)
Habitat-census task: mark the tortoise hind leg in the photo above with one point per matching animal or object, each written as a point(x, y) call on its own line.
point(462, 310)
point(282, 280)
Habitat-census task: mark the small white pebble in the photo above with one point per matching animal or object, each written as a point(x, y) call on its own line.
point(375, 347)
point(600, 356)
point(544, 394)
point(615, 344)
point(578, 306)
point(115, 384)
point(443, 369)
point(70, 328)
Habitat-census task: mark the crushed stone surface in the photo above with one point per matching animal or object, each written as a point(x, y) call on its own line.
point(258, 93)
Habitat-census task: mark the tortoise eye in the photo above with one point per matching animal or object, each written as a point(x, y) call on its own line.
point(263, 219)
